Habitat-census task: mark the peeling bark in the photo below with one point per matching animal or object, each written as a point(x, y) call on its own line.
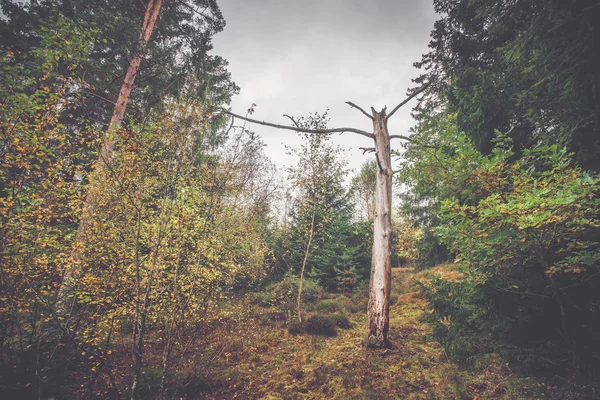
point(381, 261)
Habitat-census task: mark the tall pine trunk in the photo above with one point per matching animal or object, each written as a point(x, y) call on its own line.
point(105, 158)
point(381, 261)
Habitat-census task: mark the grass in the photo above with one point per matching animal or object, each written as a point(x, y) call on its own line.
point(265, 361)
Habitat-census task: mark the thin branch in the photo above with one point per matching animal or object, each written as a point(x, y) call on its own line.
point(296, 129)
point(409, 139)
point(351, 104)
point(409, 98)
point(522, 293)
point(399, 137)
point(310, 237)
point(293, 120)
point(367, 149)
point(427, 146)
point(230, 127)
point(100, 97)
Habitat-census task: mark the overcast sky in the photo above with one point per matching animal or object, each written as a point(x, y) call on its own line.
point(300, 56)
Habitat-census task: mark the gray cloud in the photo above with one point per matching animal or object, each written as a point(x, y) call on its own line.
point(296, 57)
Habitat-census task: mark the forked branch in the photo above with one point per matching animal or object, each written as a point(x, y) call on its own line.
point(293, 120)
point(297, 129)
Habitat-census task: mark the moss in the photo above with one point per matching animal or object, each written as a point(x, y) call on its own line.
point(278, 363)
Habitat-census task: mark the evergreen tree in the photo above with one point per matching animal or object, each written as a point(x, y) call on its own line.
point(529, 68)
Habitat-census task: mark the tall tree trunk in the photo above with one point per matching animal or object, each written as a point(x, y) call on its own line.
point(106, 155)
point(381, 262)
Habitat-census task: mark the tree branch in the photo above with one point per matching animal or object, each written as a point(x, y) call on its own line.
point(409, 98)
point(296, 129)
point(293, 120)
point(367, 149)
point(351, 104)
point(100, 97)
point(400, 137)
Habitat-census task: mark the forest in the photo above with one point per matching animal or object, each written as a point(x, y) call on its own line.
point(150, 248)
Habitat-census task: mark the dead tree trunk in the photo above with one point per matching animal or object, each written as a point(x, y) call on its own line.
point(381, 258)
point(381, 261)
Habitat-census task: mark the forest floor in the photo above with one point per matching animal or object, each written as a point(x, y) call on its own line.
point(263, 360)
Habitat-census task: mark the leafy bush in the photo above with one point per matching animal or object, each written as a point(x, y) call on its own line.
point(283, 295)
point(341, 320)
point(530, 254)
point(295, 327)
point(320, 325)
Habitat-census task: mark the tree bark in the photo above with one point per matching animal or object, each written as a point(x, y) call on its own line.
point(106, 155)
point(381, 261)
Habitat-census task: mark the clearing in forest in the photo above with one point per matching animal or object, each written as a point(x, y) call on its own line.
point(263, 360)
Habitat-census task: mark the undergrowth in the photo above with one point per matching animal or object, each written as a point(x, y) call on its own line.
point(278, 358)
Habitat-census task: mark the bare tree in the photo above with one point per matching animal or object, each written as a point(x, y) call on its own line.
point(381, 261)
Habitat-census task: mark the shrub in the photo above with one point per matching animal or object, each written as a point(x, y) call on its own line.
point(320, 325)
point(283, 295)
point(295, 327)
point(332, 305)
point(352, 305)
point(341, 320)
point(530, 255)
point(149, 383)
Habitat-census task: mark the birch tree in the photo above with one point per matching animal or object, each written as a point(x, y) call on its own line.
point(318, 180)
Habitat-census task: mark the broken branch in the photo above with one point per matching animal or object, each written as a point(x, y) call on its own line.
point(367, 149)
point(351, 104)
point(409, 98)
